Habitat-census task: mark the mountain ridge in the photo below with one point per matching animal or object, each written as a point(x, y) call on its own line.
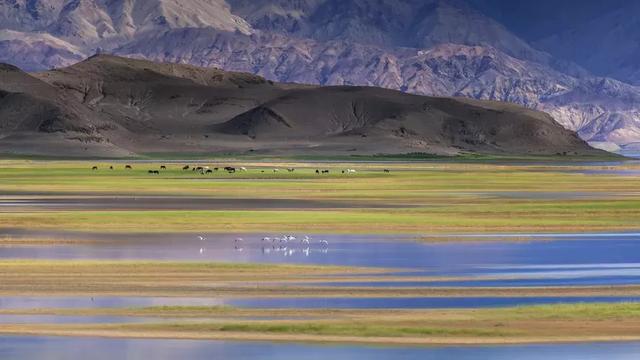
point(116, 106)
point(453, 50)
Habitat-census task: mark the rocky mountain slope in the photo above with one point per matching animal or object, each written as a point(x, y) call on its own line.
point(434, 47)
point(112, 106)
point(606, 44)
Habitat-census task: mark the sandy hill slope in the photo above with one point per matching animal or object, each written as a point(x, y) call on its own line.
point(124, 106)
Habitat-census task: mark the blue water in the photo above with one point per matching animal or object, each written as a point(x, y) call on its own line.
point(546, 260)
point(71, 302)
point(495, 283)
point(50, 348)
point(467, 258)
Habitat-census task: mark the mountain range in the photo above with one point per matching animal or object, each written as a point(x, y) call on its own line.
point(584, 75)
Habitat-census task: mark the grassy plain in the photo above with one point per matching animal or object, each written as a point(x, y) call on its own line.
point(425, 197)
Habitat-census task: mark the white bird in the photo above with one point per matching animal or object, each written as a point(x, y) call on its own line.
point(202, 238)
point(324, 242)
point(305, 240)
point(239, 240)
point(201, 250)
point(266, 239)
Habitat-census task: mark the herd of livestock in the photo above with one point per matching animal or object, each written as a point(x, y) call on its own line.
point(203, 170)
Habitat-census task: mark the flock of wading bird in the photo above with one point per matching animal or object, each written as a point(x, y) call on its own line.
point(287, 245)
point(204, 170)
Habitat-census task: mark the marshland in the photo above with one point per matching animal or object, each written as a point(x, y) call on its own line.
point(391, 252)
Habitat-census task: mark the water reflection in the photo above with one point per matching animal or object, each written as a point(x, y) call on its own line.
point(304, 303)
point(561, 259)
point(27, 348)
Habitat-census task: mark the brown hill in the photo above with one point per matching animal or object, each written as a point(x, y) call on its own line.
point(115, 106)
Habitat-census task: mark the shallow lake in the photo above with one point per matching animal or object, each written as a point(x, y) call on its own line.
point(27, 348)
point(504, 260)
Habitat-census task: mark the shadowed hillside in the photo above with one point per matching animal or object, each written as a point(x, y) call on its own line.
point(113, 106)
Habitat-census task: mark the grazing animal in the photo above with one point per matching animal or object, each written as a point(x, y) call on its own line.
point(110, 167)
point(351, 171)
point(291, 169)
point(276, 170)
point(343, 171)
point(325, 171)
point(199, 168)
point(186, 167)
point(317, 171)
point(94, 168)
point(193, 169)
point(230, 169)
point(128, 167)
point(163, 167)
point(215, 169)
point(209, 171)
point(387, 171)
point(243, 169)
point(154, 172)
